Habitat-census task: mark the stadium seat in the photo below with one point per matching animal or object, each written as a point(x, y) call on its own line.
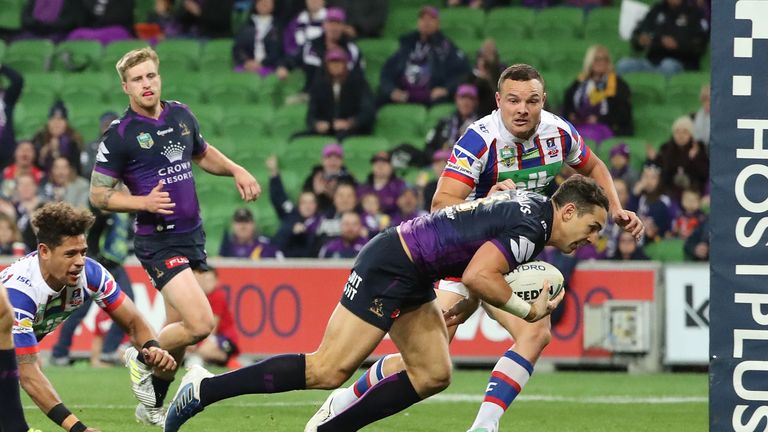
point(366, 145)
point(558, 23)
point(216, 56)
point(462, 23)
point(77, 56)
point(556, 85)
point(189, 88)
point(436, 113)
point(10, 15)
point(291, 86)
point(602, 23)
point(648, 88)
point(41, 89)
point(394, 121)
point(528, 52)
point(114, 51)
point(29, 56)
point(179, 54)
point(654, 122)
point(142, 9)
point(666, 251)
point(469, 46)
point(288, 120)
point(84, 88)
point(233, 88)
point(209, 118)
point(400, 21)
point(683, 89)
point(29, 118)
point(302, 153)
point(565, 57)
point(509, 24)
point(3, 47)
point(376, 52)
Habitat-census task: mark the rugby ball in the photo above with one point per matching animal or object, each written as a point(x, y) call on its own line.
point(527, 280)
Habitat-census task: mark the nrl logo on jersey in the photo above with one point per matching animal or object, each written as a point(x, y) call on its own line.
point(507, 156)
point(145, 140)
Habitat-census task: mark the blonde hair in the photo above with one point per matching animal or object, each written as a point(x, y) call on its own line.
point(589, 59)
point(134, 57)
point(684, 122)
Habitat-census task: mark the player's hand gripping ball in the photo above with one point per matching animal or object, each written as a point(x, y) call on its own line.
point(527, 280)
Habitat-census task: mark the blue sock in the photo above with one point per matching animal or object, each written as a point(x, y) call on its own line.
point(390, 396)
point(276, 374)
point(11, 413)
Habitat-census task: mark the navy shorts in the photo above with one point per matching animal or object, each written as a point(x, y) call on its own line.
point(384, 282)
point(164, 255)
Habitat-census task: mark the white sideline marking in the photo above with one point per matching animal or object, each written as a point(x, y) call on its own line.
point(460, 398)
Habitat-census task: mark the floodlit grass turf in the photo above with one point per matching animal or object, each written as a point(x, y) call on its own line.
point(563, 402)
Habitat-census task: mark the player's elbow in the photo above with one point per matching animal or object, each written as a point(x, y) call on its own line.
point(478, 284)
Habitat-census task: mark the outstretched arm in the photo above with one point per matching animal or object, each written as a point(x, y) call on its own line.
point(130, 320)
point(216, 163)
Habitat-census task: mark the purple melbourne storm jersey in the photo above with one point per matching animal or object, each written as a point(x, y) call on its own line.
point(38, 309)
point(141, 151)
point(518, 222)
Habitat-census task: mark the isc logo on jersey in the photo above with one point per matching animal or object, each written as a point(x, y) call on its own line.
point(527, 280)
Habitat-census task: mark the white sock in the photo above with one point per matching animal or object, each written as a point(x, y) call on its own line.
point(507, 380)
point(373, 375)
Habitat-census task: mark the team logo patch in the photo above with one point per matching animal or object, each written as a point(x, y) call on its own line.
point(507, 156)
point(184, 129)
point(377, 307)
point(77, 297)
point(176, 261)
point(145, 140)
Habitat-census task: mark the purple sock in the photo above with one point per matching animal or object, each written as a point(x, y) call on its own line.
point(11, 413)
point(276, 374)
point(390, 396)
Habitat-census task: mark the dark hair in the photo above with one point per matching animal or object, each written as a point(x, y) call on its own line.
point(582, 191)
point(54, 221)
point(520, 72)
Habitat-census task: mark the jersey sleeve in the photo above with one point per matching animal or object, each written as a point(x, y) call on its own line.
point(103, 287)
point(24, 307)
point(110, 156)
point(577, 152)
point(199, 146)
point(468, 159)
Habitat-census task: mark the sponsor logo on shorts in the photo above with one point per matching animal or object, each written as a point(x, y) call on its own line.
point(350, 288)
point(395, 313)
point(377, 307)
point(176, 261)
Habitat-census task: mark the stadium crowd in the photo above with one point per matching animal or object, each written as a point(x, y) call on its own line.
point(337, 208)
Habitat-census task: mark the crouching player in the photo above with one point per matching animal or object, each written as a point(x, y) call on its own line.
point(47, 285)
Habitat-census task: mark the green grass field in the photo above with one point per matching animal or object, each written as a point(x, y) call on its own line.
point(563, 402)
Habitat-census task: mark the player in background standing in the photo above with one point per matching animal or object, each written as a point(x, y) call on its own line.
point(520, 145)
point(47, 285)
point(390, 291)
point(151, 150)
point(11, 412)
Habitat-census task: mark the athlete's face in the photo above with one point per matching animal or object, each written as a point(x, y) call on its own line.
point(579, 230)
point(520, 104)
point(64, 263)
point(142, 85)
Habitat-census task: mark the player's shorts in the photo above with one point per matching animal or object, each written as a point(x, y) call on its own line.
point(384, 282)
point(453, 285)
point(164, 255)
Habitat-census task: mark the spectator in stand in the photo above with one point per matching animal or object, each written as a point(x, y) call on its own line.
point(598, 102)
point(26, 200)
point(311, 57)
point(612, 231)
point(296, 235)
point(220, 347)
point(408, 206)
point(619, 166)
point(306, 27)
point(243, 240)
point(373, 218)
point(628, 249)
point(58, 138)
point(365, 19)
point(23, 164)
point(51, 19)
point(106, 21)
point(683, 160)
point(10, 237)
point(64, 185)
point(696, 246)
point(324, 177)
point(485, 76)
point(673, 36)
point(691, 217)
point(88, 155)
point(9, 96)
point(439, 160)
point(206, 19)
point(344, 200)
point(161, 23)
point(427, 67)
point(449, 129)
point(653, 207)
point(258, 45)
point(383, 182)
point(351, 239)
point(701, 118)
point(340, 102)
